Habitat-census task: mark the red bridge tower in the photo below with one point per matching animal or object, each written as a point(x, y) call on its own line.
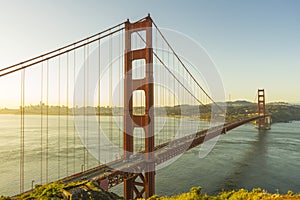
point(264, 122)
point(143, 183)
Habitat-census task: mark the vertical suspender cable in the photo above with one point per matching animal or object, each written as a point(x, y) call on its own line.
point(41, 123)
point(84, 108)
point(136, 72)
point(196, 106)
point(174, 99)
point(23, 150)
point(140, 63)
point(183, 100)
point(22, 109)
point(59, 128)
point(122, 91)
point(178, 101)
point(74, 113)
point(190, 104)
point(167, 97)
point(142, 75)
point(163, 96)
point(47, 123)
point(110, 92)
point(187, 124)
point(134, 103)
point(132, 97)
point(120, 75)
point(155, 86)
point(142, 107)
point(67, 127)
point(87, 105)
point(190, 98)
point(99, 110)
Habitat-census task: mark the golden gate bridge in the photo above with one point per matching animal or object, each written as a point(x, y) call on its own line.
point(111, 108)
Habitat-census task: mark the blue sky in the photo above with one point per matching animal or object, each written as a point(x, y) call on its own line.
point(255, 44)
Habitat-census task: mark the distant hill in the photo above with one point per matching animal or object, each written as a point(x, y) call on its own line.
point(239, 103)
point(280, 111)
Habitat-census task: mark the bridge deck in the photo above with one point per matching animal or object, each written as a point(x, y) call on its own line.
point(115, 172)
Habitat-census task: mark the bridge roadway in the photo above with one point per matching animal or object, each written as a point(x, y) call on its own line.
point(113, 173)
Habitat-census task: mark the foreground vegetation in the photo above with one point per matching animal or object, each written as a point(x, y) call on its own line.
point(255, 194)
point(54, 191)
point(58, 191)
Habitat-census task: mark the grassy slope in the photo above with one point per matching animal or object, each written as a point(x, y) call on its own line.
point(255, 194)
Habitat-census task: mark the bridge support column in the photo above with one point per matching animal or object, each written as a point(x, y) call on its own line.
point(144, 183)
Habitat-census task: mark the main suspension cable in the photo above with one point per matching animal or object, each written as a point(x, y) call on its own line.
point(186, 67)
point(67, 46)
point(58, 54)
point(166, 67)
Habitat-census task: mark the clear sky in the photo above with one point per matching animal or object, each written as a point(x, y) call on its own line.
point(255, 44)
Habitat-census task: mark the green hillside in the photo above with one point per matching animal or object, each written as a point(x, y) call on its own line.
point(255, 194)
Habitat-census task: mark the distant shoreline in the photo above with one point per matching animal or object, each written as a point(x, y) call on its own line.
point(280, 112)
